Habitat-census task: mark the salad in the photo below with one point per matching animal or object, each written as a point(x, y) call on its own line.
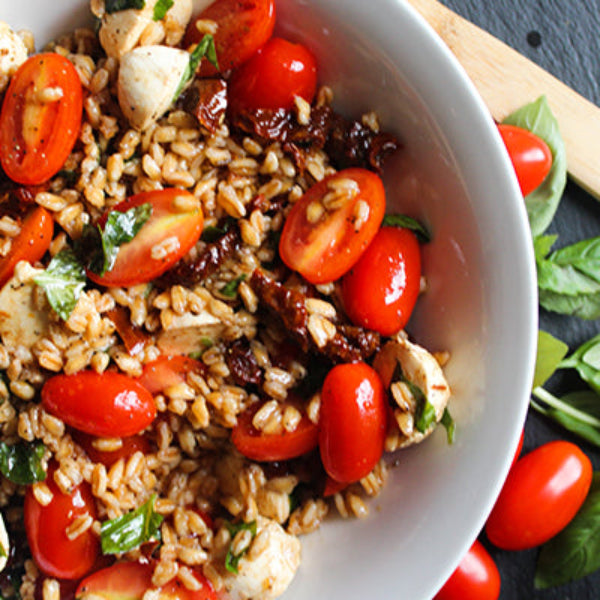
point(202, 308)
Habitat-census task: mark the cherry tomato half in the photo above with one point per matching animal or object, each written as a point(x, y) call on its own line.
point(129, 445)
point(530, 155)
point(31, 243)
point(329, 228)
point(136, 261)
point(256, 445)
point(273, 77)
point(166, 371)
point(353, 421)
point(40, 118)
point(105, 404)
point(475, 578)
point(243, 27)
point(380, 291)
point(542, 493)
point(54, 553)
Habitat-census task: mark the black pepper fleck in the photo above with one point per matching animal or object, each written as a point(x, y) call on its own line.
point(534, 39)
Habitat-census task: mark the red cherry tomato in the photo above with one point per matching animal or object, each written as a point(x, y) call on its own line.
point(54, 553)
point(167, 371)
point(323, 237)
point(135, 262)
point(243, 27)
point(130, 445)
point(353, 421)
point(31, 243)
point(475, 578)
point(105, 404)
point(381, 289)
point(542, 493)
point(256, 445)
point(40, 118)
point(530, 155)
point(273, 77)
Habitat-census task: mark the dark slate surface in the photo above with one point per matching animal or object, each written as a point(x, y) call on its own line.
point(562, 36)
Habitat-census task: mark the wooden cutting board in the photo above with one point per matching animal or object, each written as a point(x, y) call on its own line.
point(507, 80)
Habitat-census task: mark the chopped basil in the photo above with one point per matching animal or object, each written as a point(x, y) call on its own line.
point(206, 48)
point(229, 290)
point(3, 553)
point(22, 463)
point(131, 530)
point(212, 233)
point(160, 9)
point(232, 560)
point(425, 413)
point(449, 425)
point(69, 176)
point(63, 282)
point(409, 223)
point(112, 6)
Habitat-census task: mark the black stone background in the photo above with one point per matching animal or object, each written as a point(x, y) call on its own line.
point(562, 36)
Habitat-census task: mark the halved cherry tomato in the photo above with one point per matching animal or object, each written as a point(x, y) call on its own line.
point(31, 243)
point(272, 78)
point(530, 155)
point(135, 262)
point(167, 371)
point(243, 27)
point(129, 445)
point(332, 487)
point(353, 421)
point(256, 445)
point(54, 553)
point(130, 580)
point(40, 118)
point(329, 228)
point(105, 404)
point(380, 291)
point(542, 493)
point(475, 578)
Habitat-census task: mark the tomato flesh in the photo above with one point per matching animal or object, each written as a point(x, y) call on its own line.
point(37, 133)
point(328, 229)
point(105, 404)
point(380, 291)
point(542, 493)
point(167, 371)
point(352, 422)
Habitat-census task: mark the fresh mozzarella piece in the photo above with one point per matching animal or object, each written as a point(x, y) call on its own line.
point(13, 53)
point(4, 544)
point(187, 333)
point(149, 77)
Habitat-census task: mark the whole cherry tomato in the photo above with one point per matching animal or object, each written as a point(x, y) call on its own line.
point(272, 78)
point(54, 553)
point(105, 404)
point(31, 243)
point(352, 422)
point(166, 371)
point(475, 578)
point(243, 27)
point(40, 118)
point(260, 446)
point(136, 261)
point(329, 228)
point(530, 155)
point(129, 445)
point(542, 493)
point(381, 289)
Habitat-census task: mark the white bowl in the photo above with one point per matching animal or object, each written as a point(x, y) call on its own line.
point(481, 306)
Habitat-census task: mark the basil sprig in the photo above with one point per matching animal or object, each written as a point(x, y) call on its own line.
point(112, 6)
point(232, 560)
point(22, 463)
point(396, 220)
point(205, 48)
point(160, 9)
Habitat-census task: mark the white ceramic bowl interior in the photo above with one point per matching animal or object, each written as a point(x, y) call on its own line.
point(481, 304)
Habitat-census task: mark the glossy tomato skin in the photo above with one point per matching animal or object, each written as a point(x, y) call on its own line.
point(166, 371)
point(352, 422)
point(542, 493)
point(273, 77)
point(530, 155)
point(105, 404)
point(475, 578)
point(36, 137)
point(380, 291)
point(135, 262)
point(321, 243)
point(54, 553)
point(243, 27)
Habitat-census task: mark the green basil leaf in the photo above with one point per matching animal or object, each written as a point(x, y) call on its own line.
point(230, 289)
point(112, 6)
point(160, 9)
point(425, 414)
point(206, 48)
point(542, 203)
point(542, 245)
point(22, 463)
point(550, 352)
point(586, 360)
point(63, 281)
point(70, 177)
point(232, 560)
point(131, 530)
point(409, 223)
point(575, 551)
point(450, 425)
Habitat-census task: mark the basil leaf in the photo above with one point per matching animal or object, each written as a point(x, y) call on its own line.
point(206, 48)
point(550, 352)
point(450, 425)
point(160, 9)
point(112, 6)
point(131, 530)
point(542, 245)
point(425, 414)
point(22, 463)
point(232, 560)
point(542, 203)
point(63, 281)
point(586, 360)
point(409, 223)
point(575, 551)
point(230, 289)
